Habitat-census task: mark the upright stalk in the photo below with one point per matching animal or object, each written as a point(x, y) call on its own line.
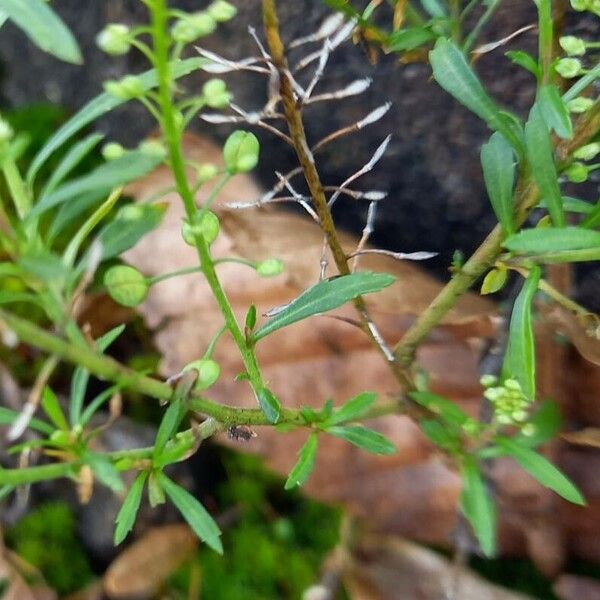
point(173, 136)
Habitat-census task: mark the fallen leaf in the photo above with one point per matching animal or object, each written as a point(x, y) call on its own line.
point(140, 569)
point(590, 436)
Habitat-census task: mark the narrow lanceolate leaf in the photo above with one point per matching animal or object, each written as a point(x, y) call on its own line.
point(168, 426)
point(541, 158)
point(354, 409)
point(99, 106)
point(269, 404)
point(364, 438)
point(306, 462)
point(477, 506)
point(498, 162)
point(453, 73)
point(542, 469)
point(193, 512)
point(104, 471)
point(52, 408)
point(326, 295)
point(548, 240)
point(71, 159)
point(79, 383)
point(555, 111)
point(446, 409)
point(129, 509)
point(9, 416)
point(105, 178)
point(519, 361)
point(43, 27)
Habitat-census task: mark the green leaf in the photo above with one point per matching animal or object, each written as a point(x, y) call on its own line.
point(541, 157)
point(104, 470)
point(104, 341)
point(364, 438)
point(353, 410)
point(494, 281)
point(542, 470)
point(306, 462)
point(448, 410)
point(97, 403)
point(453, 73)
point(103, 179)
point(477, 506)
point(121, 234)
point(45, 266)
point(79, 383)
point(409, 39)
point(551, 240)
point(52, 408)
point(546, 422)
point(129, 509)
point(70, 160)
point(440, 435)
point(269, 404)
point(99, 106)
point(555, 111)
point(519, 360)
point(193, 512)
point(43, 27)
point(326, 295)
point(498, 162)
point(168, 426)
point(434, 7)
point(525, 60)
point(69, 211)
point(8, 417)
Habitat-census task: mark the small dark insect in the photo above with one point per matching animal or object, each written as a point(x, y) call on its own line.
point(241, 433)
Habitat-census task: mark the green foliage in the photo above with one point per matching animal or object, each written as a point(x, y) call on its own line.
point(46, 538)
point(324, 296)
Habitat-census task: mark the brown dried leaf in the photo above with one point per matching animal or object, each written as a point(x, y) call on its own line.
point(590, 436)
point(148, 562)
point(384, 568)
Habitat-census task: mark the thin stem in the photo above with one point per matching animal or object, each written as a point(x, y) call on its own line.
point(172, 133)
point(216, 190)
point(305, 157)
point(476, 31)
point(178, 273)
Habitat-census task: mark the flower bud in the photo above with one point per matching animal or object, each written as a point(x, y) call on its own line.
point(193, 26)
point(114, 39)
point(6, 131)
point(208, 372)
point(271, 267)
point(579, 5)
point(128, 88)
point(488, 380)
point(112, 151)
point(568, 67)
point(576, 172)
point(126, 285)
point(216, 94)
point(580, 104)
point(222, 11)
point(572, 45)
point(205, 223)
point(241, 152)
point(206, 171)
point(153, 148)
point(587, 152)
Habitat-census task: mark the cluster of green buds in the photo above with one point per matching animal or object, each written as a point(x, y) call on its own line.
point(208, 372)
point(572, 45)
point(577, 171)
point(591, 5)
point(191, 26)
point(580, 104)
point(511, 406)
point(127, 88)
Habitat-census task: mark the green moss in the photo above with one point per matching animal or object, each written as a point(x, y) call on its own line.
point(46, 539)
point(275, 547)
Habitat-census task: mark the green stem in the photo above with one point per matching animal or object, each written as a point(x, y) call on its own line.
point(16, 477)
point(17, 187)
point(545, 40)
point(216, 190)
point(172, 133)
point(178, 273)
point(476, 31)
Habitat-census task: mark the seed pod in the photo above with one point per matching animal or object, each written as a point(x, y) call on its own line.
point(114, 39)
point(222, 11)
point(206, 224)
point(241, 152)
point(112, 151)
point(216, 94)
point(271, 267)
point(126, 285)
point(208, 372)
